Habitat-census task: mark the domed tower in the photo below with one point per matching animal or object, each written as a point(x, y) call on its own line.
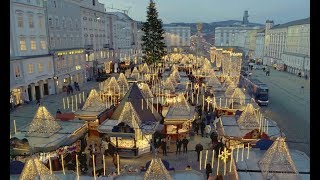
point(269, 25)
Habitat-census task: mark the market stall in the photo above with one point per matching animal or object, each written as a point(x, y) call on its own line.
point(278, 162)
point(132, 124)
point(235, 129)
point(45, 134)
point(94, 111)
point(179, 117)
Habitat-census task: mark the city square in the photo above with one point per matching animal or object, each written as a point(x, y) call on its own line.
point(98, 95)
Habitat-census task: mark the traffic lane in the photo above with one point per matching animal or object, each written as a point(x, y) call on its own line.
point(286, 107)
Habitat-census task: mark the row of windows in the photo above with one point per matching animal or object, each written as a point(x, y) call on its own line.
point(58, 42)
point(69, 61)
point(31, 68)
point(64, 23)
point(20, 20)
point(98, 19)
point(33, 43)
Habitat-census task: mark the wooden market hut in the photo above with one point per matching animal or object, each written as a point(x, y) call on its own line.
point(46, 134)
point(123, 84)
point(35, 169)
point(110, 89)
point(132, 124)
point(179, 117)
point(94, 111)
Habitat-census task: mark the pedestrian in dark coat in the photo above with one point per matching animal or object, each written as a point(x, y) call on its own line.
point(196, 128)
point(217, 147)
point(199, 148)
point(208, 169)
point(202, 126)
point(179, 144)
point(164, 147)
point(185, 142)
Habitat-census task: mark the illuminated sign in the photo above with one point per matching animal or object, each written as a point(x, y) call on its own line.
point(78, 67)
point(79, 51)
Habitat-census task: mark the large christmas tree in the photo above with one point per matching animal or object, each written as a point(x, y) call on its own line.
point(153, 46)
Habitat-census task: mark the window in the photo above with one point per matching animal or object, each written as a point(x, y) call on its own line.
point(30, 68)
point(52, 41)
point(70, 59)
point(23, 46)
point(57, 22)
point(49, 66)
point(31, 24)
point(43, 43)
point(40, 67)
point(63, 23)
point(17, 73)
point(33, 43)
point(40, 22)
point(94, 2)
point(58, 41)
point(20, 20)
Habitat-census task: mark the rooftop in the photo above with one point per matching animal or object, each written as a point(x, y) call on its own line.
point(292, 23)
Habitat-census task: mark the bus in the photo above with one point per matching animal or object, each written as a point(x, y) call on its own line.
point(256, 89)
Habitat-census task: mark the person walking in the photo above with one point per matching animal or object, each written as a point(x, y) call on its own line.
point(196, 128)
point(58, 111)
point(179, 144)
point(302, 90)
point(185, 142)
point(199, 148)
point(202, 127)
point(38, 102)
point(164, 147)
point(208, 170)
point(208, 129)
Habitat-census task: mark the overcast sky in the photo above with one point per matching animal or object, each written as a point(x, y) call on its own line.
point(280, 11)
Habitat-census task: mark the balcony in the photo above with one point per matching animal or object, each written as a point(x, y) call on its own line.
point(106, 46)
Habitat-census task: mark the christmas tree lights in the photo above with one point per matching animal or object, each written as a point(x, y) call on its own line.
point(123, 82)
point(157, 171)
point(43, 124)
point(145, 90)
point(34, 169)
point(238, 96)
point(93, 101)
point(277, 162)
point(135, 73)
point(249, 118)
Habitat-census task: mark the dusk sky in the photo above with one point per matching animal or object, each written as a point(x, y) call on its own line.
point(280, 11)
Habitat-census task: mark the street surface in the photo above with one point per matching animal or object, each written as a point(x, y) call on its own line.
point(289, 106)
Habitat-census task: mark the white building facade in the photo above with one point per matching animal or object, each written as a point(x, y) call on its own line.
point(259, 50)
point(31, 66)
point(65, 40)
point(276, 37)
point(232, 36)
point(125, 38)
point(177, 37)
point(296, 55)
